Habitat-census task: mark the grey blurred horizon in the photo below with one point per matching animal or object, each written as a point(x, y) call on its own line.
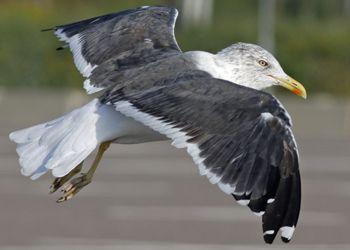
point(150, 196)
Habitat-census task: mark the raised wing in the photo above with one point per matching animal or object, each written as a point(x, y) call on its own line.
point(240, 139)
point(105, 47)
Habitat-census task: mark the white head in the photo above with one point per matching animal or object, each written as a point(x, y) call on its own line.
point(255, 67)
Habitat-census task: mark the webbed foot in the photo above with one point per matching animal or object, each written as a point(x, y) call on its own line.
point(71, 188)
point(59, 182)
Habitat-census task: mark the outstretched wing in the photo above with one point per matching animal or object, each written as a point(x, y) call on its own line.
point(105, 47)
point(240, 139)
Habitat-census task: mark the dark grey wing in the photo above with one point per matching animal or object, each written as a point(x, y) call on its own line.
point(105, 47)
point(240, 139)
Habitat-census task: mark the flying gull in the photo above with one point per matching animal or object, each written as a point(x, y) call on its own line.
point(149, 90)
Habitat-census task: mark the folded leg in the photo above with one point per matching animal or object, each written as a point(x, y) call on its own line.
point(71, 188)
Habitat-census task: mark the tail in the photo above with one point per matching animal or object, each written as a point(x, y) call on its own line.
point(60, 145)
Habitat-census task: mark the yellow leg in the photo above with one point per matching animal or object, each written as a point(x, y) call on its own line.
point(76, 184)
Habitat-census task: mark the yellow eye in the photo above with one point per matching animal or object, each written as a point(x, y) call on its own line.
point(263, 63)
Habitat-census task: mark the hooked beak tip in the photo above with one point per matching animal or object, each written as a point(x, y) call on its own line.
point(292, 85)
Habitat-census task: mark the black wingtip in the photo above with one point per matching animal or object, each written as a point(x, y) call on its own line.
point(285, 240)
point(269, 238)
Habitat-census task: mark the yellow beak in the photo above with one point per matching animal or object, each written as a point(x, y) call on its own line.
point(293, 85)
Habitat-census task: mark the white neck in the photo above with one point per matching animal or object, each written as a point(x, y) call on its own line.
point(218, 67)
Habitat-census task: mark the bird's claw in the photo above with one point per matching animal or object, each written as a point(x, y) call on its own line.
point(73, 187)
point(53, 188)
point(59, 182)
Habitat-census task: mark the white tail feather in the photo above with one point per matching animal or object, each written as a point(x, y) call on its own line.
point(61, 144)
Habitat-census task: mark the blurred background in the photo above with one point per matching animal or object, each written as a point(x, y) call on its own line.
point(150, 196)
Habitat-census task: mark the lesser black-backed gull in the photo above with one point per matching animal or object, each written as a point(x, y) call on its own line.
point(210, 104)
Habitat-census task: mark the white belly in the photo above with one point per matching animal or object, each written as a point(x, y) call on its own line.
point(113, 125)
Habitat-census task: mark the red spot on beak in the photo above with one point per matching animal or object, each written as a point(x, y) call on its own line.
point(297, 92)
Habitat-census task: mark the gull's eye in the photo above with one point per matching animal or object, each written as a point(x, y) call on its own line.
point(263, 63)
